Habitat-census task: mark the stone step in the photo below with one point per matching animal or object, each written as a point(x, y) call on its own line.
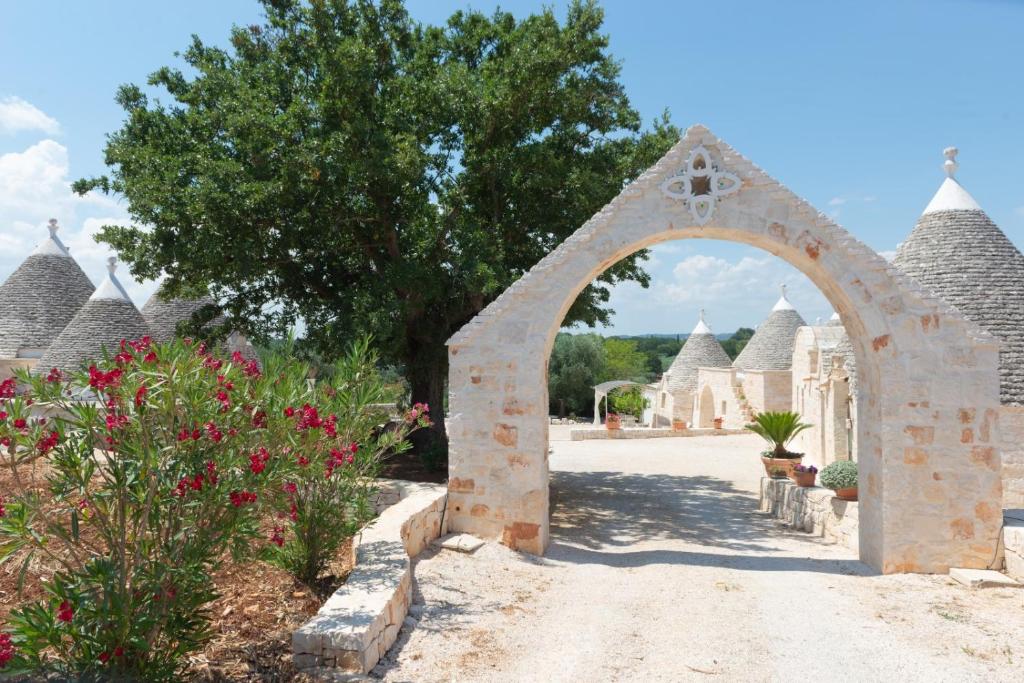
point(982, 578)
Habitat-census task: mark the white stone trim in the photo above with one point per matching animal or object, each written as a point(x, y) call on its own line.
point(360, 622)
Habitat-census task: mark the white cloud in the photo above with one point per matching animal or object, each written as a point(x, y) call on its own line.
point(35, 185)
point(17, 115)
point(888, 255)
point(736, 290)
point(837, 201)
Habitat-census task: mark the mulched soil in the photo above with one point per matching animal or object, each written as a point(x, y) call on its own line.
point(252, 621)
point(410, 467)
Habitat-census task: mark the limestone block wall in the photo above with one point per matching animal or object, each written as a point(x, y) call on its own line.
point(8, 366)
point(1011, 439)
point(360, 622)
point(717, 397)
point(930, 498)
point(768, 390)
point(812, 509)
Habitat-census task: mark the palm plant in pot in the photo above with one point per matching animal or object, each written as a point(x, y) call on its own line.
point(841, 477)
point(778, 428)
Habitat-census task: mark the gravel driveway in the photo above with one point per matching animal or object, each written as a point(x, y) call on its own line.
point(660, 569)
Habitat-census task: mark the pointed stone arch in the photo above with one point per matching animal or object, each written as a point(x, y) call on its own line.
point(929, 393)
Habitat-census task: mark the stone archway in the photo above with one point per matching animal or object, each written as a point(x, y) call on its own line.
point(931, 497)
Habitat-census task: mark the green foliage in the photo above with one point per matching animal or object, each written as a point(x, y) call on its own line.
point(576, 365)
point(337, 448)
point(160, 463)
point(623, 361)
point(628, 401)
point(734, 344)
point(660, 352)
point(778, 429)
point(344, 165)
point(842, 474)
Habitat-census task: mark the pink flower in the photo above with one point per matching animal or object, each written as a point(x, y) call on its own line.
point(183, 434)
point(20, 423)
point(149, 357)
point(289, 411)
point(290, 487)
point(3, 511)
point(211, 472)
point(65, 612)
point(54, 376)
point(215, 434)
point(310, 418)
point(104, 657)
point(8, 388)
point(240, 498)
point(6, 649)
point(140, 396)
point(47, 443)
point(276, 538)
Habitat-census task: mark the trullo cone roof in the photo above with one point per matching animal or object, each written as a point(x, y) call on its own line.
point(771, 347)
point(701, 350)
point(163, 316)
point(961, 256)
point(40, 298)
point(106, 318)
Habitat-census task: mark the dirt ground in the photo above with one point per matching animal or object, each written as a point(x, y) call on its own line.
point(660, 569)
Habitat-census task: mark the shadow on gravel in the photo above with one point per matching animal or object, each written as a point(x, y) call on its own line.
point(594, 512)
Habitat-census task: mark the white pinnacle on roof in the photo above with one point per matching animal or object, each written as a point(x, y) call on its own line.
point(771, 347)
point(701, 350)
point(957, 253)
point(783, 303)
point(40, 298)
point(52, 245)
point(111, 287)
point(701, 327)
point(951, 195)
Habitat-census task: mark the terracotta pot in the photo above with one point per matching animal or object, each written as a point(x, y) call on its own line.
point(613, 423)
point(678, 425)
point(718, 423)
point(804, 478)
point(847, 494)
point(784, 464)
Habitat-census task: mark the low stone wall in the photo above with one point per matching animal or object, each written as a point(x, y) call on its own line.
point(812, 509)
point(645, 433)
point(357, 625)
point(1013, 544)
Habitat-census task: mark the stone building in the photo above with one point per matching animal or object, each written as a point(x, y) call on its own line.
point(961, 256)
point(106, 318)
point(37, 302)
point(760, 378)
point(675, 395)
point(164, 315)
point(822, 394)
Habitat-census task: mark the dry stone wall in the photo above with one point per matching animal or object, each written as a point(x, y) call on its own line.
point(931, 498)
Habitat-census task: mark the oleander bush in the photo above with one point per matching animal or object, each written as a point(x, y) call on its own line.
point(137, 478)
point(841, 474)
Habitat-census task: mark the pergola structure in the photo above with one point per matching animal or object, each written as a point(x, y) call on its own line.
point(601, 391)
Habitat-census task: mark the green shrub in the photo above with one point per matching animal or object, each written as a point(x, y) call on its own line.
point(841, 474)
point(628, 401)
point(135, 479)
point(778, 429)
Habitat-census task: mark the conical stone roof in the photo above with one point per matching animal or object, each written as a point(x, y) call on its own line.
point(106, 318)
point(961, 256)
point(40, 298)
point(701, 350)
point(163, 316)
point(845, 349)
point(771, 347)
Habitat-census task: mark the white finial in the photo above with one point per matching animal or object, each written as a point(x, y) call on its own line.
point(702, 327)
point(702, 315)
point(950, 164)
point(111, 265)
point(111, 287)
point(783, 303)
point(783, 288)
point(53, 227)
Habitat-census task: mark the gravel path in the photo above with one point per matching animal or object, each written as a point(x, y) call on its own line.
point(660, 569)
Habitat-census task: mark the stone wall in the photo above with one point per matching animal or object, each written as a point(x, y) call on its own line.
point(812, 509)
point(718, 395)
point(1011, 431)
point(768, 390)
point(9, 365)
point(359, 623)
point(930, 497)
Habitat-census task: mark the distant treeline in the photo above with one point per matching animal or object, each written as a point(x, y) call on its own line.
point(580, 361)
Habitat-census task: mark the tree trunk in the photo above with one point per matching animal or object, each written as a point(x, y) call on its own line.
point(427, 373)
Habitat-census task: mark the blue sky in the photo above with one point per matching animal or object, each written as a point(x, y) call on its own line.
point(848, 104)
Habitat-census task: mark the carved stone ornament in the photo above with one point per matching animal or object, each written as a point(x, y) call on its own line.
point(700, 185)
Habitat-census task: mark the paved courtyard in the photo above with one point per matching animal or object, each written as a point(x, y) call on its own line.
point(660, 569)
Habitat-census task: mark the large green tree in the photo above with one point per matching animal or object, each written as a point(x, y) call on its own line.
point(343, 165)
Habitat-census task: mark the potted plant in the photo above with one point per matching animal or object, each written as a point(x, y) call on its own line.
point(678, 425)
point(841, 477)
point(804, 475)
point(778, 429)
point(718, 422)
point(613, 421)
